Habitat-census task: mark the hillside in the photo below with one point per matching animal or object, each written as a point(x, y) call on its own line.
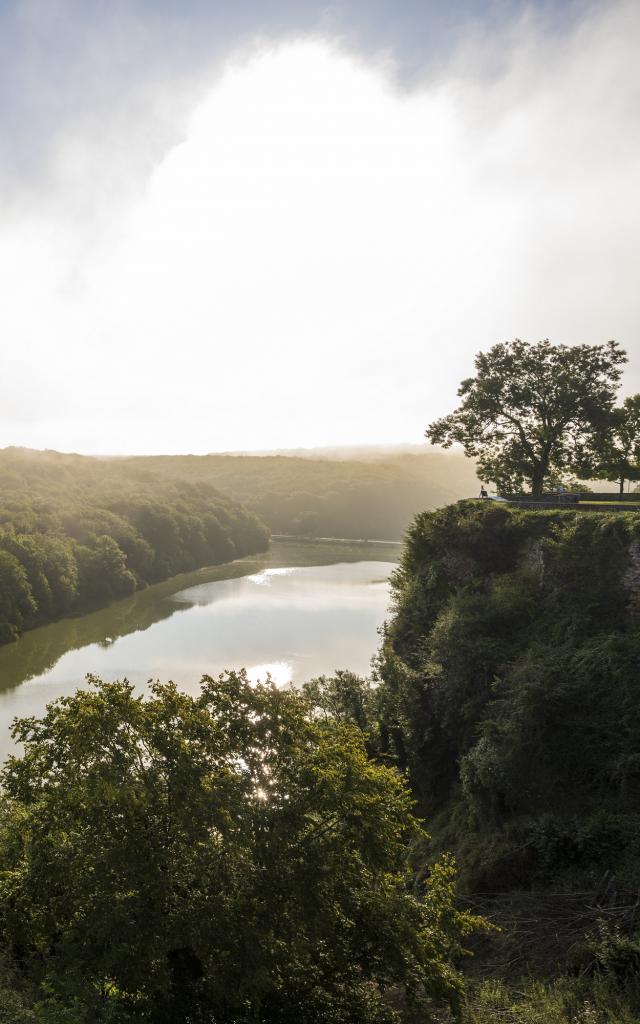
point(76, 533)
point(372, 496)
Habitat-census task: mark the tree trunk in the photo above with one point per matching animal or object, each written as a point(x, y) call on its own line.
point(537, 480)
point(621, 485)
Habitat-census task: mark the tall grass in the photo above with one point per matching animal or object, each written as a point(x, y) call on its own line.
point(563, 1001)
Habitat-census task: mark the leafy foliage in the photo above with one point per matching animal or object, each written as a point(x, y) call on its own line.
point(16, 599)
point(510, 674)
point(532, 410)
point(76, 533)
point(566, 1000)
point(618, 455)
point(230, 857)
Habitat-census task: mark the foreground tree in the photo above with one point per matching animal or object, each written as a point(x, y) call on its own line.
point(619, 455)
point(532, 410)
point(230, 857)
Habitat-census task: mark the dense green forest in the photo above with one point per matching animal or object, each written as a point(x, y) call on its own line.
point(76, 533)
point(510, 692)
point(508, 625)
point(373, 497)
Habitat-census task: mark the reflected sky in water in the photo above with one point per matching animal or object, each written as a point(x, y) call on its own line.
point(290, 622)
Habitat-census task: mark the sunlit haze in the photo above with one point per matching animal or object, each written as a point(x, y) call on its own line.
point(315, 245)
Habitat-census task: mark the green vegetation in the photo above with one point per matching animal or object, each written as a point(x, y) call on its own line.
point(509, 689)
point(619, 455)
point(76, 533)
point(233, 857)
point(511, 662)
point(533, 411)
point(252, 855)
point(369, 498)
point(568, 1000)
point(507, 686)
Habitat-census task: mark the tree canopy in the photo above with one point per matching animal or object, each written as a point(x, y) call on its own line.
point(618, 456)
point(231, 857)
point(533, 409)
point(77, 533)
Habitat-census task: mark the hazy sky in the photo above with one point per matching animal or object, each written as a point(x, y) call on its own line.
point(260, 224)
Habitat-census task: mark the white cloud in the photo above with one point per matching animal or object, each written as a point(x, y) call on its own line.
point(320, 258)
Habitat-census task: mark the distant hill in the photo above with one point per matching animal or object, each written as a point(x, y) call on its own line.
point(331, 494)
point(343, 452)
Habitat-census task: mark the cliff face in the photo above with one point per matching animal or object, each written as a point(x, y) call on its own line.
point(511, 677)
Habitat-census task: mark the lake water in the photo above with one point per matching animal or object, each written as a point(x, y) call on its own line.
point(300, 610)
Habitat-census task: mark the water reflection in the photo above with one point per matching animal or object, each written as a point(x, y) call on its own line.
point(292, 613)
point(280, 672)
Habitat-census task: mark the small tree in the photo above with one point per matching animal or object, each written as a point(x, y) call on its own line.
point(620, 449)
point(533, 409)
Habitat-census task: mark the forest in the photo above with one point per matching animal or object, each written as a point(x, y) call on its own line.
point(319, 512)
point(77, 533)
point(509, 693)
point(369, 496)
point(455, 838)
point(508, 623)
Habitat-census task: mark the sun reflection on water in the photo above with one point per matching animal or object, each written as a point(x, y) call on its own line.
point(281, 673)
point(263, 579)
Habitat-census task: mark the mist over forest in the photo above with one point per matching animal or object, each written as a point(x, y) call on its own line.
point(77, 532)
point(319, 512)
point(370, 494)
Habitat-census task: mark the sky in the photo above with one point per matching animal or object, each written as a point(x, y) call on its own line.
point(254, 225)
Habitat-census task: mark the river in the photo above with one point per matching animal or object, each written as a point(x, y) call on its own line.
point(302, 609)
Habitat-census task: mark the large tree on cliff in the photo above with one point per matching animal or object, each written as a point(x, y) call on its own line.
point(533, 409)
